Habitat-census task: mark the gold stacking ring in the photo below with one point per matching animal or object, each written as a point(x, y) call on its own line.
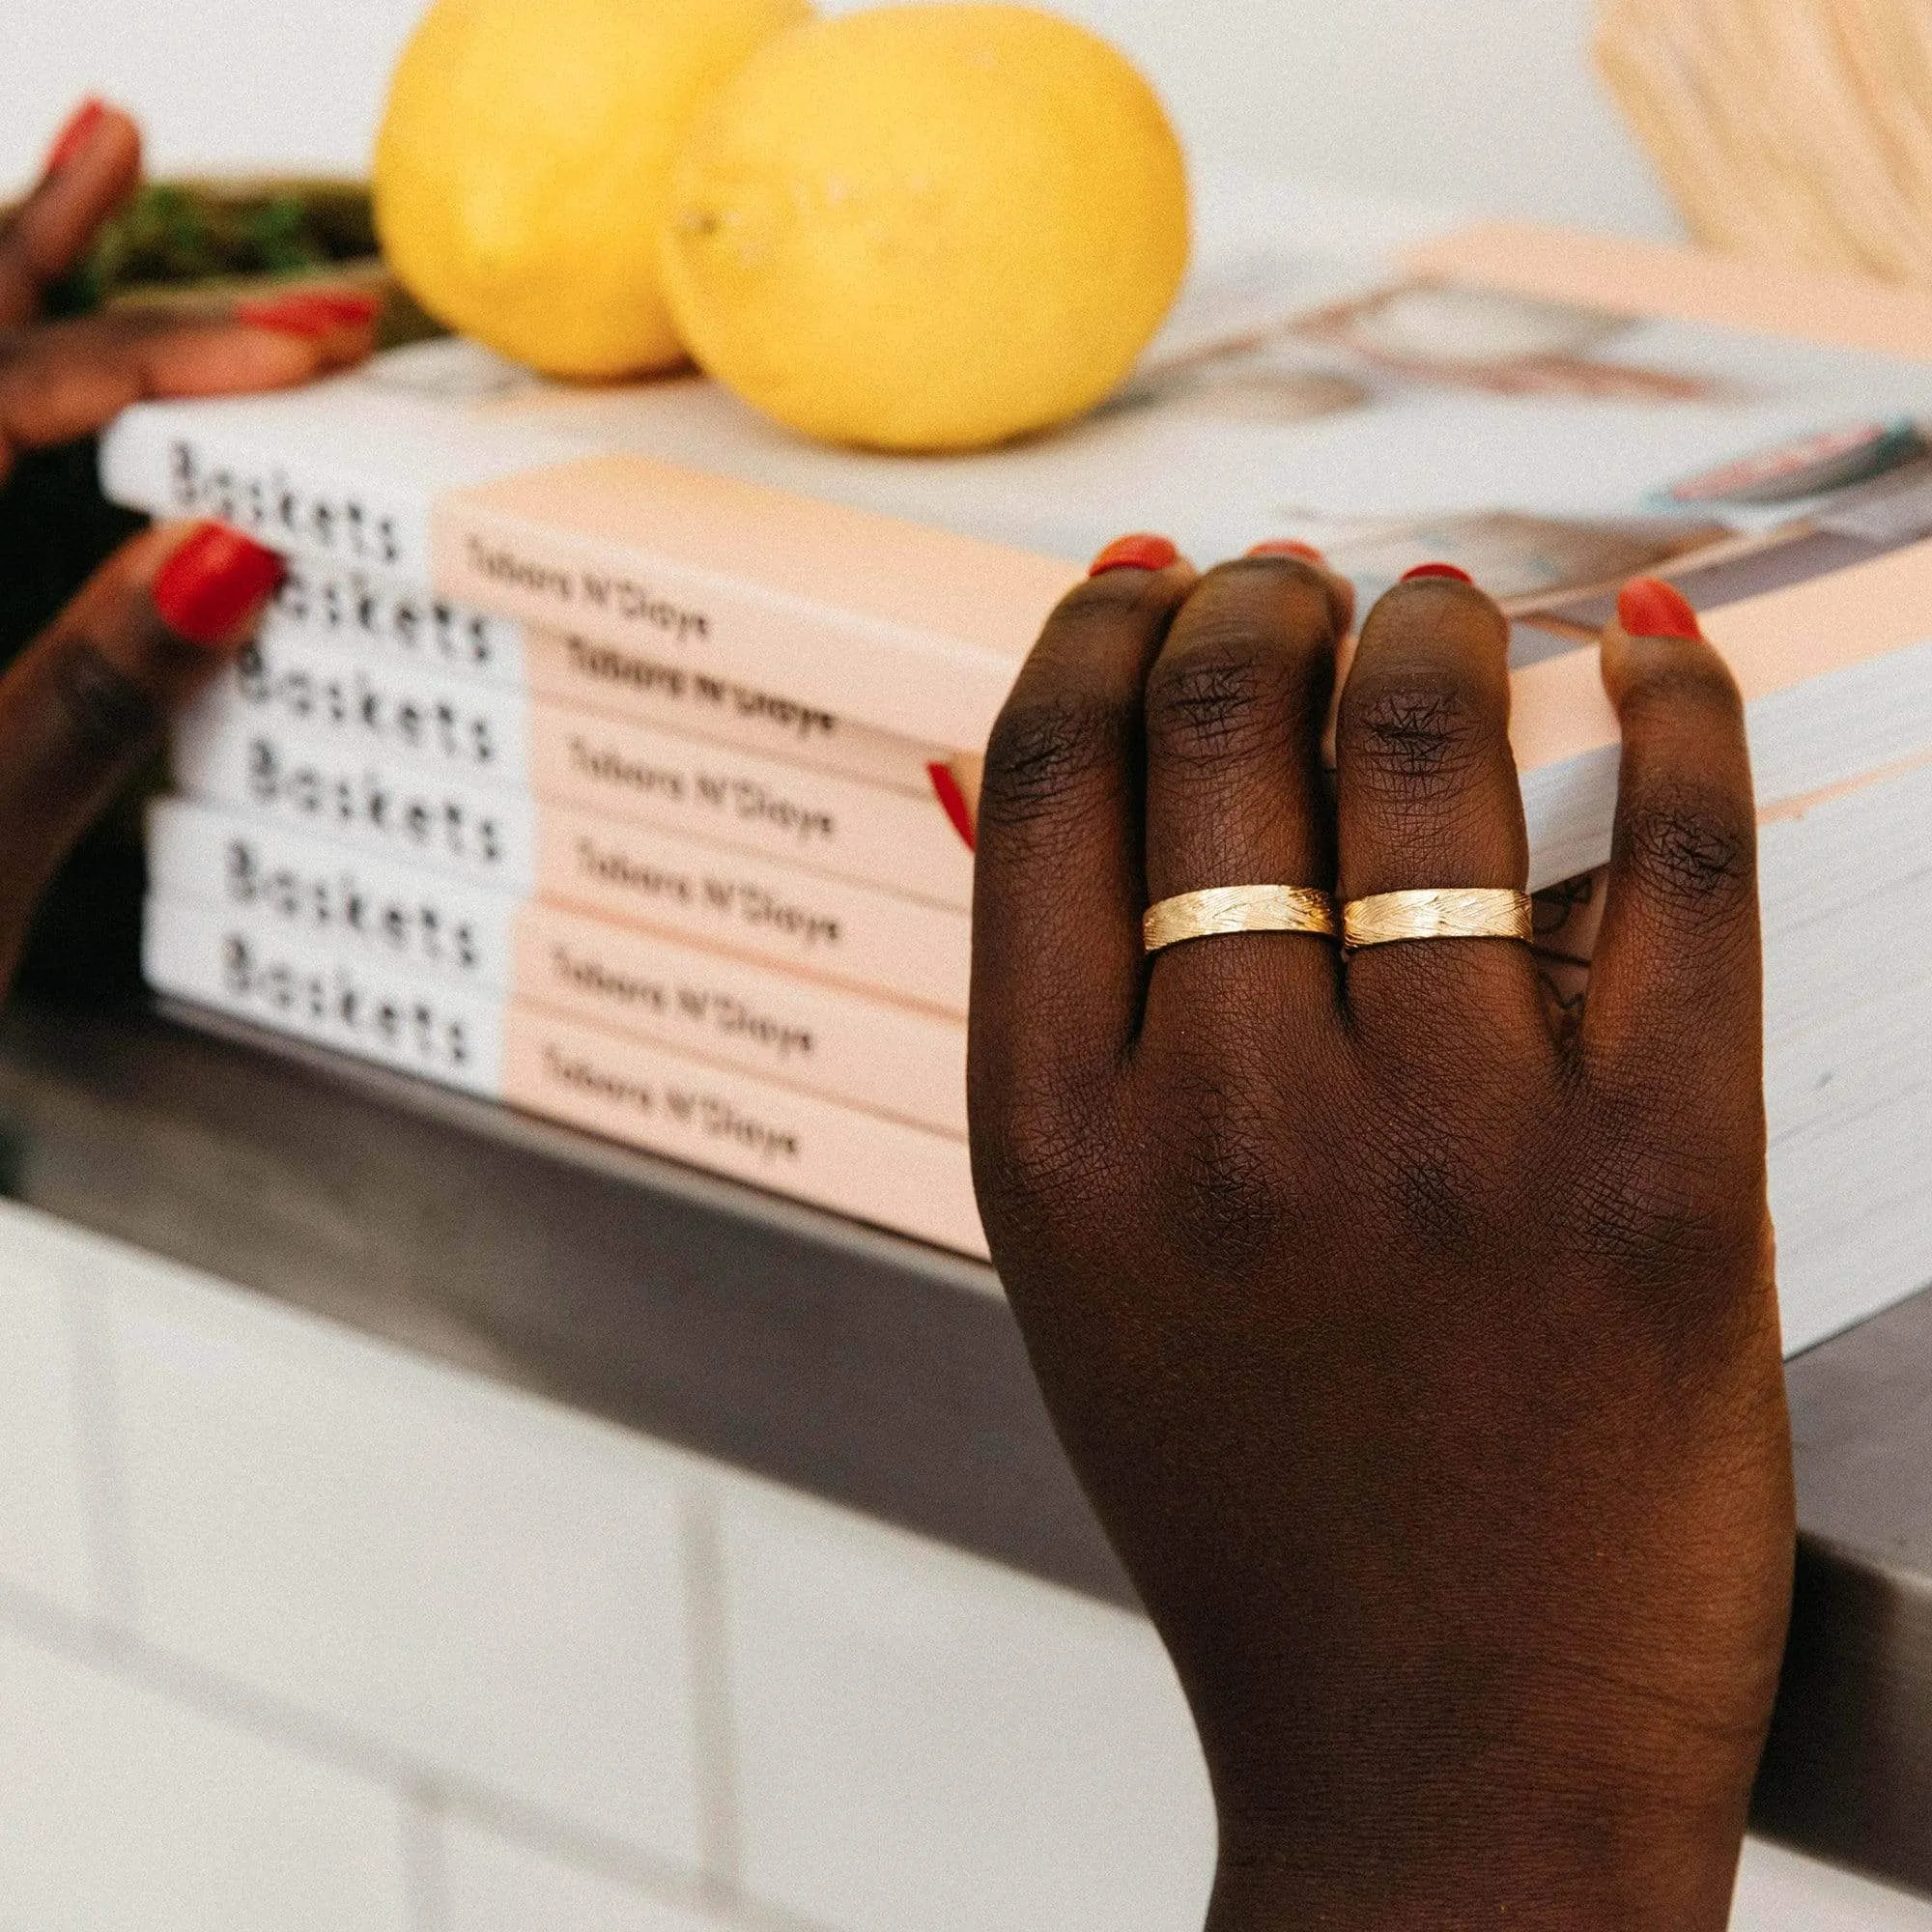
point(1226, 909)
point(1457, 913)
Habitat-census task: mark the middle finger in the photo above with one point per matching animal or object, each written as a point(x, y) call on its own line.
point(1236, 706)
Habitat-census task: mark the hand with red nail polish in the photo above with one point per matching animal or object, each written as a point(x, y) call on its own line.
point(64, 380)
point(83, 706)
point(85, 702)
point(1417, 1348)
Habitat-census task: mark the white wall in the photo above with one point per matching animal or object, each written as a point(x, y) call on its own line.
point(1488, 103)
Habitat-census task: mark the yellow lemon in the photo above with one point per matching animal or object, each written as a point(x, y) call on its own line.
point(524, 164)
point(926, 227)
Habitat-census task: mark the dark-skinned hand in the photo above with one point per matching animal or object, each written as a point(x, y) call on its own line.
point(83, 704)
point(1420, 1355)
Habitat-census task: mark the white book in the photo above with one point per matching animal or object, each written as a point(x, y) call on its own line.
point(810, 1149)
point(833, 929)
point(903, 1062)
point(399, 625)
point(497, 738)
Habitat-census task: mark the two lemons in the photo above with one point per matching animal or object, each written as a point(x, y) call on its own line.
point(919, 227)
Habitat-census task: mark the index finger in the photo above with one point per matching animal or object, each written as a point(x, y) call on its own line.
point(92, 168)
point(69, 379)
point(1058, 886)
point(1676, 988)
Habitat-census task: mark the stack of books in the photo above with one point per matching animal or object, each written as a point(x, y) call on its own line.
point(608, 753)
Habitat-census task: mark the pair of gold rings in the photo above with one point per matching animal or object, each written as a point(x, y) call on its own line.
point(1387, 919)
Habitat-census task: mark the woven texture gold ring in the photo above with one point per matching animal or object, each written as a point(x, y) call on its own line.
point(1457, 913)
point(1226, 909)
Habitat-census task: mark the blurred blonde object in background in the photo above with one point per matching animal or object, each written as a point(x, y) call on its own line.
point(1795, 130)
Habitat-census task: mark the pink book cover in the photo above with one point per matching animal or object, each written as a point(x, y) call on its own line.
point(831, 929)
point(899, 1061)
point(838, 930)
point(897, 1177)
point(1555, 412)
point(581, 673)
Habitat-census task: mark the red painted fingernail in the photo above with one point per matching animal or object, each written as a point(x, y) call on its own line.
point(1649, 607)
point(1455, 573)
point(1286, 547)
point(1137, 553)
point(946, 788)
point(214, 580)
point(77, 134)
point(312, 312)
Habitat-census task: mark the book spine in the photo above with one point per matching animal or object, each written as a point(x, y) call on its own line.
point(780, 812)
point(852, 935)
point(357, 519)
point(396, 916)
point(414, 1022)
point(808, 1149)
point(490, 736)
point(458, 727)
point(291, 887)
point(897, 1177)
point(855, 935)
point(694, 702)
point(889, 1058)
point(337, 520)
point(397, 622)
point(305, 779)
point(567, 549)
point(408, 626)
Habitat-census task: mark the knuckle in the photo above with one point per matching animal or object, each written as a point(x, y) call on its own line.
point(101, 711)
point(1686, 847)
point(1234, 1190)
point(1436, 1187)
point(1044, 747)
point(1413, 729)
point(1210, 703)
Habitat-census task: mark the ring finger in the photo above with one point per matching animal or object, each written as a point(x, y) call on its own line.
point(1428, 799)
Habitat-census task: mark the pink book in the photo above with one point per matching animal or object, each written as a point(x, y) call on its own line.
point(840, 931)
point(895, 836)
point(890, 1173)
point(885, 1056)
point(1554, 412)
point(411, 631)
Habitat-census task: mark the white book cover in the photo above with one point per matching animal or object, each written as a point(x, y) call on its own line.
point(829, 929)
point(564, 754)
point(903, 1062)
point(861, 1164)
point(1554, 413)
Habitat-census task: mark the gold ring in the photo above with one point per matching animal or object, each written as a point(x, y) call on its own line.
point(1459, 913)
point(1226, 909)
